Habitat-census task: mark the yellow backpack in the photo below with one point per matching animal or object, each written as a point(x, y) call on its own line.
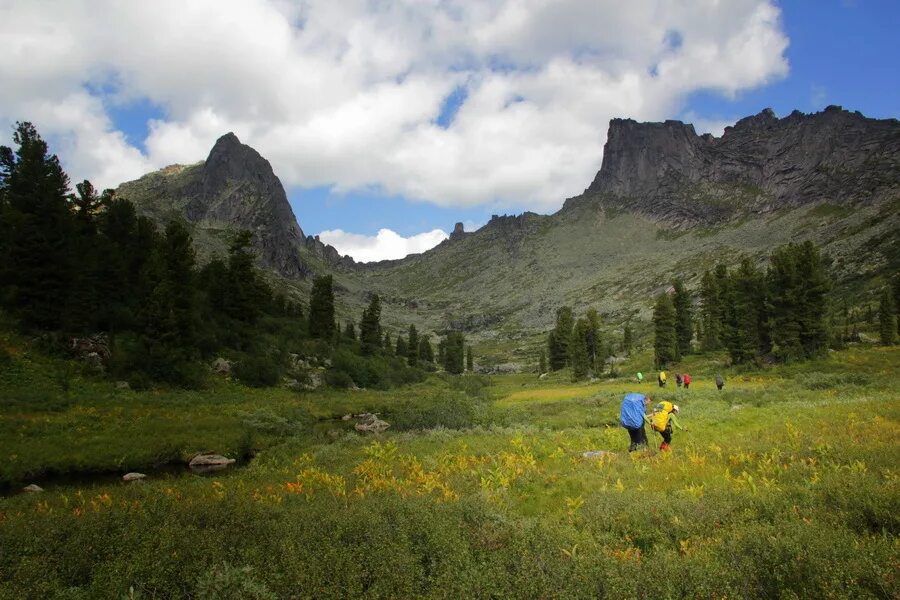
point(660, 417)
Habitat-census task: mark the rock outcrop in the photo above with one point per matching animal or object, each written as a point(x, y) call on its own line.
point(760, 164)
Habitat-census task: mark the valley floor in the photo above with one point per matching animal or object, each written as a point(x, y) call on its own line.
point(785, 486)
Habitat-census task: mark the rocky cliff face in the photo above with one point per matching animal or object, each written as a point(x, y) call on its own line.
point(760, 164)
point(234, 188)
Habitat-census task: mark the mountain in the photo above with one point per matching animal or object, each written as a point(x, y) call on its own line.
point(665, 202)
point(234, 188)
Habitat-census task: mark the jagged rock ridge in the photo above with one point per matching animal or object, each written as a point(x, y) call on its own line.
point(234, 188)
point(760, 164)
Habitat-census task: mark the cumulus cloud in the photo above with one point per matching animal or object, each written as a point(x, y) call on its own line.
point(386, 245)
point(348, 94)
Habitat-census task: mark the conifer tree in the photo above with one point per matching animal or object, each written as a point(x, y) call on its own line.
point(627, 339)
point(665, 344)
point(592, 338)
point(412, 353)
point(542, 363)
point(321, 309)
point(426, 352)
point(245, 293)
point(684, 325)
point(350, 331)
point(370, 327)
point(470, 361)
point(887, 319)
point(896, 294)
point(454, 352)
point(401, 349)
point(388, 345)
point(559, 339)
point(744, 298)
point(578, 351)
point(710, 313)
point(797, 286)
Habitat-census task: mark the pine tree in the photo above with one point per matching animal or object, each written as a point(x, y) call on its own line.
point(454, 352)
point(664, 340)
point(37, 268)
point(370, 327)
point(388, 346)
point(578, 349)
point(744, 298)
point(401, 349)
point(627, 339)
point(470, 361)
point(321, 309)
point(558, 340)
point(684, 324)
point(887, 319)
point(592, 338)
point(412, 353)
point(426, 353)
point(797, 286)
point(246, 293)
point(542, 363)
point(350, 331)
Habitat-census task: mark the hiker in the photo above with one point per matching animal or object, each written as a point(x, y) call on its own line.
point(662, 420)
point(687, 380)
point(678, 379)
point(632, 417)
point(662, 379)
point(640, 377)
point(720, 382)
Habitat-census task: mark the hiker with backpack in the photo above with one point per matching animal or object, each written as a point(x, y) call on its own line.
point(640, 377)
point(720, 382)
point(678, 379)
point(632, 417)
point(662, 420)
point(687, 380)
point(662, 379)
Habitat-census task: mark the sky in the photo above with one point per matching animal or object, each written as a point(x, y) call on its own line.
point(389, 121)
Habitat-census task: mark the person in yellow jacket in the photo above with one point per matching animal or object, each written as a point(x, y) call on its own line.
point(662, 420)
point(662, 378)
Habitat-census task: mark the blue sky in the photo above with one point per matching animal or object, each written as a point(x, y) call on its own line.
point(388, 121)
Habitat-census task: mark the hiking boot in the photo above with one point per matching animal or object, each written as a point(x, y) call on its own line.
point(664, 447)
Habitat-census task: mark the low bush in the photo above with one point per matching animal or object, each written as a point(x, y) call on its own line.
point(258, 370)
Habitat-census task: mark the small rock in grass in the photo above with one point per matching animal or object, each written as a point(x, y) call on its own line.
point(210, 460)
point(347, 417)
point(122, 385)
point(133, 476)
point(595, 453)
point(33, 488)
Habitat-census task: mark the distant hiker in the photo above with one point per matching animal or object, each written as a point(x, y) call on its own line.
point(632, 417)
point(678, 379)
point(720, 382)
point(662, 420)
point(640, 377)
point(687, 380)
point(662, 379)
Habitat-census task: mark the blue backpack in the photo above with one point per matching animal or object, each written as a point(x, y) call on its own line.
point(632, 414)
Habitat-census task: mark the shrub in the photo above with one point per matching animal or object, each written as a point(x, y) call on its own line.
point(257, 371)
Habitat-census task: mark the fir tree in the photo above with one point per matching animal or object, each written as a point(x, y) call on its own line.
point(744, 298)
point(370, 327)
point(665, 345)
point(627, 339)
point(470, 361)
point(592, 339)
point(321, 309)
point(412, 353)
point(887, 319)
point(578, 351)
point(542, 362)
point(454, 352)
point(797, 286)
point(246, 293)
point(426, 352)
point(350, 330)
point(684, 326)
point(559, 339)
point(401, 349)
point(388, 346)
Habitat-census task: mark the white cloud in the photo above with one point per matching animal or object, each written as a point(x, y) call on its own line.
point(386, 245)
point(347, 94)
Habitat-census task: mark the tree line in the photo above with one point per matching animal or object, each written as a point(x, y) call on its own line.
point(75, 264)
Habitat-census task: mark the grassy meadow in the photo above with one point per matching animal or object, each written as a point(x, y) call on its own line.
point(785, 486)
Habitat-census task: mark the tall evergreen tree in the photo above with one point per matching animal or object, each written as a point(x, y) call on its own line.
point(350, 330)
point(887, 319)
point(454, 352)
point(592, 338)
point(321, 309)
point(746, 324)
point(370, 327)
point(684, 323)
point(665, 345)
point(542, 363)
point(470, 360)
point(578, 349)
point(401, 349)
point(797, 286)
point(710, 313)
point(896, 293)
point(426, 352)
point(388, 346)
point(412, 353)
point(246, 293)
point(559, 339)
point(627, 339)
point(36, 273)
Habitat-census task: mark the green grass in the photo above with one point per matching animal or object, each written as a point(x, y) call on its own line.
point(785, 486)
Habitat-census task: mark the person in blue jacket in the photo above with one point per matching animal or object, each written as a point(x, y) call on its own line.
point(633, 416)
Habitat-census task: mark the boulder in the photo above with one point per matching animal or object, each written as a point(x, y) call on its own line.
point(370, 423)
point(221, 366)
point(210, 460)
point(122, 385)
point(544, 376)
point(347, 417)
point(133, 476)
point(33, 489)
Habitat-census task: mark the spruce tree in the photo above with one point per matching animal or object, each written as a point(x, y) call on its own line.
point(665, 344)
point(388, 346)
point(401, 349)
point(350, 330)
point(797, 285)
point(246, 292)
point(627, 339)
point(887, 319)
point(578, 349)
point(370, 327)
point(542, 363)
point(684, 324)
point(321, 309)
point(470, 361)
point(454, 352)
point(426, 352)
point(592, 338)
point(412, 353)
point(744, 299)
point(558, 341)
